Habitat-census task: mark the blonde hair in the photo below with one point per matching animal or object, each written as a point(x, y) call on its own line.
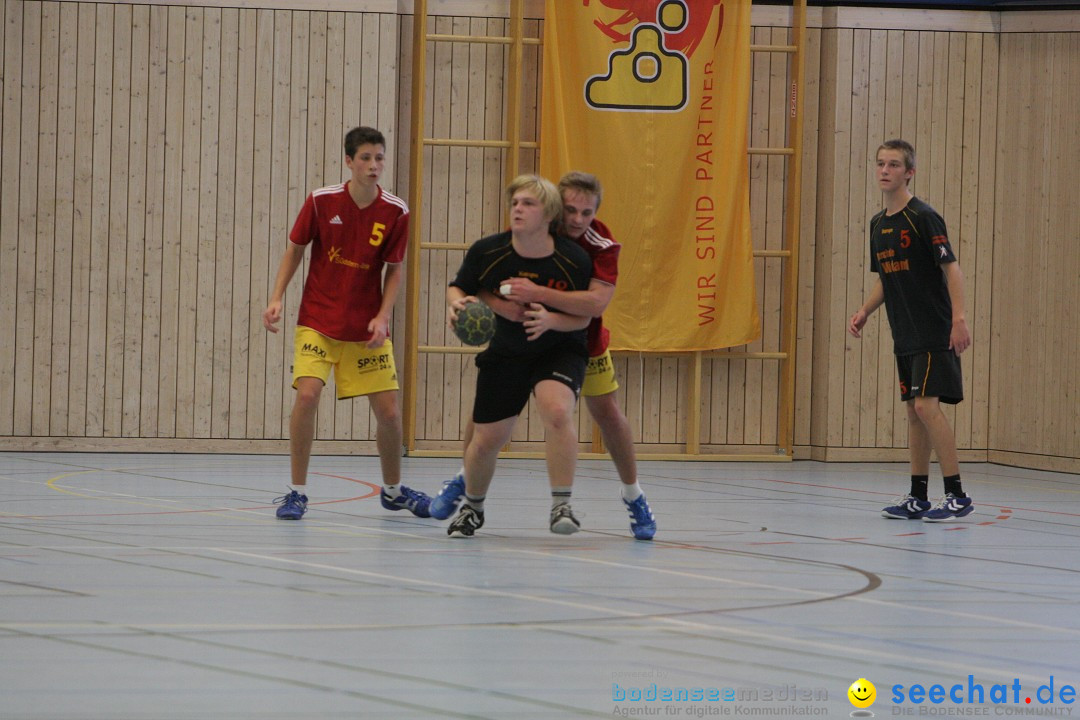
point(542, 189)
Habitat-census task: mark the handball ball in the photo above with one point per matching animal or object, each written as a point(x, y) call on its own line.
point(475, 324)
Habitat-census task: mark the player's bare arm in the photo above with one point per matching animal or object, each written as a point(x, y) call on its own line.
point(379, 327)
point(588, 303)
point(960, 335)
point(290, 260)
point(539, 320)
point(512, 311)
point(873, 302)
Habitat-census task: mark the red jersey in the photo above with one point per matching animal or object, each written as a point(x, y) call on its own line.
point(343, 291)
point(604, 252)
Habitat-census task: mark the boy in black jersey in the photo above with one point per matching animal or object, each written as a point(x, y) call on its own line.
point(545, 355)
point(922, 287)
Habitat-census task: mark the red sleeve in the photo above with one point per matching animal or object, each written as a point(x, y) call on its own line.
point(397, 241)
point(306, 227)
point(605, 265)
point(604, 252)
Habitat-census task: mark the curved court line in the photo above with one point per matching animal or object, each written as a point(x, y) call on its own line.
point(52, 484)
point(675, 624)
point(857, 597)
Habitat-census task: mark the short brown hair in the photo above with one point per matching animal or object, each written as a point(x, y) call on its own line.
point(582, 182)
point(362, 136)
point(906, 148)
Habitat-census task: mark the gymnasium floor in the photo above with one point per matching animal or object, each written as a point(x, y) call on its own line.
point(162, 586)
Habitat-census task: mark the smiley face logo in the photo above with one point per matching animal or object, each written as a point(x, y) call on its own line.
point(862, 693)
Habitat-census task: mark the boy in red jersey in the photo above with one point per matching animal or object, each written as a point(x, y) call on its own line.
point(581, 195)
point(355, 229)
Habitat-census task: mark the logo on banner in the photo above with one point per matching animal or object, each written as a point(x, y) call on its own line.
point(653, 73)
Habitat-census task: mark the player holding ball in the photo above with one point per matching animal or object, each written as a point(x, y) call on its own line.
point(544, 354)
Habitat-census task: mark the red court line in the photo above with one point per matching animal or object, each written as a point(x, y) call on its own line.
point(375, 489)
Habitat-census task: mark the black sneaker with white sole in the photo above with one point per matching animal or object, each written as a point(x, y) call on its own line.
point(467, 522)
point(563, 521)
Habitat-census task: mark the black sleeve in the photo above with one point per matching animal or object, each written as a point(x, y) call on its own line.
point(468, 275)
point(936, 237)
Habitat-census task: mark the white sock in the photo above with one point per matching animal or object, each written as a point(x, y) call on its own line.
point(461, 472)
point(392, 491)
point(631, 493)
point(302, 489)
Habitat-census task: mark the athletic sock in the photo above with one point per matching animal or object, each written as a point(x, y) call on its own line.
point(461, 472)
point(560, 496)
point(952, 485)
point(476, 502)
point(919, 485)
point(630, 493)
point(301, 489)
point(392, 491)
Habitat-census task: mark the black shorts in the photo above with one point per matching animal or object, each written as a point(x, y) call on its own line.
point(931, 374)
point(503, 384)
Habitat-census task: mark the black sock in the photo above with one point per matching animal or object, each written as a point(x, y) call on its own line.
point(952, 485)
point(919, 485)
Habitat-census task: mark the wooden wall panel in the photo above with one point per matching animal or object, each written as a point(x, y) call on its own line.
point(805, 365)
point(153, 160)
point(1033, 367)
point(137, 258)
point(29, 172)
point(9, 202)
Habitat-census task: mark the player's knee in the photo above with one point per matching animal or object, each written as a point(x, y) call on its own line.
point(604, 410)
point(557, 416)
point(386, 410)
point(925, 408)
point(307, 395)
point(485, 444)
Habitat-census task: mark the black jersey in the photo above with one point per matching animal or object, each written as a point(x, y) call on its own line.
point(907, 250)
point(493, 259)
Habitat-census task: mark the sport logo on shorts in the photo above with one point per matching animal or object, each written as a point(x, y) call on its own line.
point(310, 349)
point(373, 364)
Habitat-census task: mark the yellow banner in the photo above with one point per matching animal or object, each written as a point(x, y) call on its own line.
point(652, 96)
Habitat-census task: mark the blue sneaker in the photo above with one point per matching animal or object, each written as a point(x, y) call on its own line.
point(642, 522)
point(293, 505)
point(949, 507)
point(444, 504)
point(908, 507)
point(415, 502)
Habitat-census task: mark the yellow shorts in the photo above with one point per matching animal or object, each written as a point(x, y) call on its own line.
point(358, 370)
point(599, 376)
